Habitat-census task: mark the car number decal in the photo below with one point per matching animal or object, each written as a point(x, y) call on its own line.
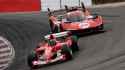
point(84, 25)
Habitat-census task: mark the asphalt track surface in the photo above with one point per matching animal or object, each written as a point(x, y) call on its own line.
point(103, 51)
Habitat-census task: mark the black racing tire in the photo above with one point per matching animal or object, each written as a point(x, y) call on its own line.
point(32, 57)
point(101, 27)
point(74, 38)
point(67, 52)
point(51, 25)
point(56, 29)
point(74, 46)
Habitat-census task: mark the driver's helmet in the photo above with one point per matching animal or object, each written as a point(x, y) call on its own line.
point(51, 37)
point(68, 16)
point(51, 42)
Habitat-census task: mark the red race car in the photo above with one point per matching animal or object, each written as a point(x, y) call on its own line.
point(55, 47)
point(75, 19)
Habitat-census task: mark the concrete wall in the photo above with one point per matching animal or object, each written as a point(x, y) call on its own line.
point(57, 4)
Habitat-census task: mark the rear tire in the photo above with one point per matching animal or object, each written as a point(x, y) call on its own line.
point(74, 46)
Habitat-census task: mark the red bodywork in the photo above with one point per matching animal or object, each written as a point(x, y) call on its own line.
point(49, 50)
point(88, 21)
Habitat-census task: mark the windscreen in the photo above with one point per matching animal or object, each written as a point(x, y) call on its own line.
point(75, 17)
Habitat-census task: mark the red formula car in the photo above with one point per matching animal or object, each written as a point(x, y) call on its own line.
point(75, 19)
point(55, 47)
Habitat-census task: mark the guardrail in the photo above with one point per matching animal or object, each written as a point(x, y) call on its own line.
point(57, 4)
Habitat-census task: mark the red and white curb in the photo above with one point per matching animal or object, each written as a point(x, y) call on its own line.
point(7, 53)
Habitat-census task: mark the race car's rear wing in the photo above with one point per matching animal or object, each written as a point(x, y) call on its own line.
point(70, 8)
point(57, 35)
point(67, 9)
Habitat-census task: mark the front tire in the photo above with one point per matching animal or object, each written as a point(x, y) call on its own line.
point(56, 29)
point(51, 25)
point(32, 57)
point(67, 53)
point(101, 27)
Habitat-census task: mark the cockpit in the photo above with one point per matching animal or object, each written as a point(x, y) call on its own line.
point(75, 16)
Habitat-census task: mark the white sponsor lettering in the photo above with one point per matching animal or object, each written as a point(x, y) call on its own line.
point(84, 25)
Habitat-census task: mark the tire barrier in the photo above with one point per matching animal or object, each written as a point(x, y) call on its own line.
point(7, 53)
